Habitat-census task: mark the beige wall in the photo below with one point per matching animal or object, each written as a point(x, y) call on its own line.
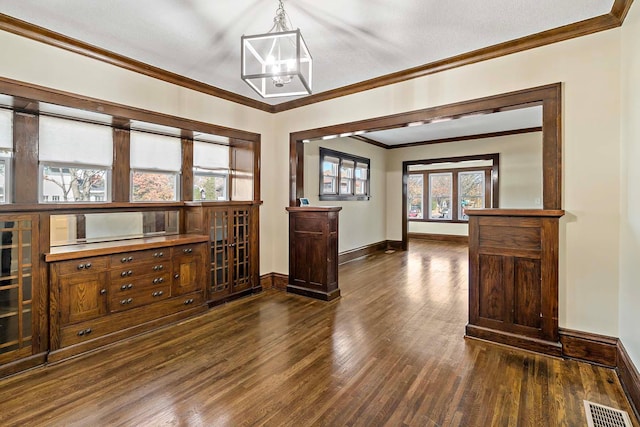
point(589, 68)
point(630, 187)
point(360, 222)
point(520, 172)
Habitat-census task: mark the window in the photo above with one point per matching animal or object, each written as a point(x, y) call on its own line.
point(343, 176)
point(447, 193)
point(75, 160)
point(156, 161)
point(210, 171)
point(6, 150)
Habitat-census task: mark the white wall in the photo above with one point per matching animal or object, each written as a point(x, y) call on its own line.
point(630, 187)
point(589, 68)
point(360, 222)
point(520, 177)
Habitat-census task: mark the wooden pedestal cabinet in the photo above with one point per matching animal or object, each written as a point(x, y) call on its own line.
point(513, 278)
point(101, 293)
point(233, 233)
point(313, 252)
point(21, 301)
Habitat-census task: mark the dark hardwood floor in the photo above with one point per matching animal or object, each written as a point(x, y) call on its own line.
point(389, 352)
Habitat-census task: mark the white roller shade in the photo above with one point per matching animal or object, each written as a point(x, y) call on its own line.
point(155, 152)
point(74, 142)
point(210, 156)
point(6, 129)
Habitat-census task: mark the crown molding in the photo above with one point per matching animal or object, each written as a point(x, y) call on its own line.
point(40, 34)
point(613, 19)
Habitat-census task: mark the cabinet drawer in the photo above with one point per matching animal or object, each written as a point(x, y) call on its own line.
point(133, 284)
point(131, 272)
point(131, 258)
point(81, 265)
point(188, 250)
point(116, 322)
point(136, 298)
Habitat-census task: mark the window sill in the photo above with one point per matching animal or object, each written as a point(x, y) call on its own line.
point(441, 221)
point(334, 198)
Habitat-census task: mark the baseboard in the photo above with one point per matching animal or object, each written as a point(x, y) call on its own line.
point(274, 281)
point(588, 347)
point(629, 377)
point(439, 237)
point(514, 340)
point(352, 254)
point(394, 244)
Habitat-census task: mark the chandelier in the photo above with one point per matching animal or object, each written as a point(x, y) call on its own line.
point(277, 63)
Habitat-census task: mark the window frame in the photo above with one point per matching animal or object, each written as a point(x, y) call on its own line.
point(209, 173)
point(338, 195)
point(177, 177)
point(6, 157)
point(107, 177)
point(489, 195)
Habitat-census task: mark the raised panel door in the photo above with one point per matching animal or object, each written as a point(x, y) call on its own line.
point(82, 297)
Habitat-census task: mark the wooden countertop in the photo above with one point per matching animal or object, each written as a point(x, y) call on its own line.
point(63, 253)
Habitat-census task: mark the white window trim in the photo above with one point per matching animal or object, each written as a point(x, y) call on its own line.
point(459, 201)
point(157, 171)
point(210, 173)
point(450, 196)
point(42, 165)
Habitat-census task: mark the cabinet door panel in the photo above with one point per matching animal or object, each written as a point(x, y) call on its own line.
point(492, 287)
point(82, 297)
point(527, 292)
point(188, 274)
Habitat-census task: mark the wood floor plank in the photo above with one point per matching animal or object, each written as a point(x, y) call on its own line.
point(389, 352)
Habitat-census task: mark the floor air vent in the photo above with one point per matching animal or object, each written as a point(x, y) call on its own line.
point(604, 416)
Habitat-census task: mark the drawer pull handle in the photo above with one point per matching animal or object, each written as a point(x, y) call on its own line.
point(130, 259)
point(129, 273)
point(103, 291)
point(127, 286)
point(84, 332)
point(124, 273)
point(158, 267)
point(187, 251)
point(80, 266)
point(176, 276)
point(87, 265)
point(87, 331)
point(158, 254)
point(157, 293)
point(123, 259)
point(189, 301)
point(126, 301)
point(158, 280)
point(81, 333)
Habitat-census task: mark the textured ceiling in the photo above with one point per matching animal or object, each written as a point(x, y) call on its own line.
point(350, 41)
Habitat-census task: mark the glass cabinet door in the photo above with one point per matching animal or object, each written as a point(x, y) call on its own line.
point(16, 285)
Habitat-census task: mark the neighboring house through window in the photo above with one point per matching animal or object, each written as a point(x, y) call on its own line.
point(344, 176)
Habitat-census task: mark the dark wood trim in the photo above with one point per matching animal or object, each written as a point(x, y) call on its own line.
point(439, 237)
point(312, 293)
point(588, 347)
point(352, 254)
point(370, 141)
point(549, 96)
point(552, 213)
point(514, 340)
point(275, 281)
point(25, 158)
point(629, 377)
point(121, 175)
point(613, 19)
point(395, 245)
point(32, 94)
point(341, 156)
point(43, 35)
point(466, 138)
point(186, 177)
point(22, 365)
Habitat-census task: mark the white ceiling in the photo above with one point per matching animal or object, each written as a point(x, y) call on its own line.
point(350, 41)
point(522, 118)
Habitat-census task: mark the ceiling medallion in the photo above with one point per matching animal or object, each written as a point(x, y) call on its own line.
point(277, 63)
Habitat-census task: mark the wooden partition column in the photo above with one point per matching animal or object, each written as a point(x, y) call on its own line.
point(513, 278)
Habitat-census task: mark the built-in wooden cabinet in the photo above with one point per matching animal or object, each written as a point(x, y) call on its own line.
point(20, 294)
point(513, 278)
point(313, 252)
point(101, 293)
point(233, 234)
